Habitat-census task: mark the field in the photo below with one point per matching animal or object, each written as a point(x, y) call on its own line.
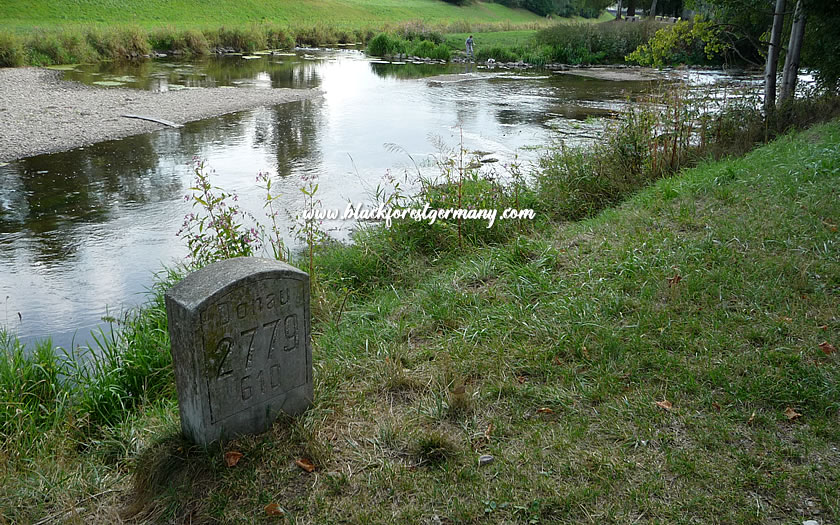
point(21, 15)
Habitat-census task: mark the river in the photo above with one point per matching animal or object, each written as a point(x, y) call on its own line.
point(83, 232)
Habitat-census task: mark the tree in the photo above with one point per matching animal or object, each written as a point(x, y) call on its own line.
point(791, 68)
point(773, 57)
point(653, 9)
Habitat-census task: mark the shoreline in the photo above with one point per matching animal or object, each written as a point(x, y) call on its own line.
point(40, 113)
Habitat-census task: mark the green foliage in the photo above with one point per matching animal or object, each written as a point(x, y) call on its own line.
point(584, 8)
point(429, 49)
point(681, 43)
point(591, 43)
point(33, 397)
point(169, 39)
point(244, 39)
point(11, 50)
point(219, 230)
point(497, 53)
point(384, 44)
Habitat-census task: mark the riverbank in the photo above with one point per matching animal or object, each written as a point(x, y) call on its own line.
point(673, 357)
point(43, 114)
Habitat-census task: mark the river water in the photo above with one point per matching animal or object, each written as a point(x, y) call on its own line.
point(83, 232)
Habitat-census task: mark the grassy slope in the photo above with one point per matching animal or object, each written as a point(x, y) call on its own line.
point(25, 14)
point(563, 341)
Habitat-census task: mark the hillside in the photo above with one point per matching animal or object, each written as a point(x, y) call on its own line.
point(26, 14)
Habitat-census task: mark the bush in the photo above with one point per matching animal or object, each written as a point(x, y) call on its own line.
point(497, 53)
point(11, 51)
point(119, 43)
point(681, 43)
point(190, 41)
point(383, 45)
point(245, 40)
point(430, 50)
point(592, 43)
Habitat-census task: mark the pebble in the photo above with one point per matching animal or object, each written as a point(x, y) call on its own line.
point(486, 459)
point(45, 114)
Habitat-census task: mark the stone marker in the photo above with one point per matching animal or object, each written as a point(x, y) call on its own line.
point(240, 345)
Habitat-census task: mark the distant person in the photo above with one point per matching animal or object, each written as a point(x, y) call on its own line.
point(470, 46)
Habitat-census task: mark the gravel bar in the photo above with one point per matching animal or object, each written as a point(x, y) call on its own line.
point(41, 113)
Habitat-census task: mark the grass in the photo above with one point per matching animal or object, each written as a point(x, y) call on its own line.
point(20, 15)
point(567, 42)
point(549, 348)
point(36, 33)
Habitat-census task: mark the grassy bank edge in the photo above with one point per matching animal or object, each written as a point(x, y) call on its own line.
point(534, 268)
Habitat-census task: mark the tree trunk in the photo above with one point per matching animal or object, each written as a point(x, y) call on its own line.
point(631, 7)
point(791, 68)
point(618, 12)
point(652, 9)
point(773, 57)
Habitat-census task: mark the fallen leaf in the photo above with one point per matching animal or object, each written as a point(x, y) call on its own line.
point(521, 379)
point(544, 411)
point(673, 281)
point(827, 348)
point(716, 406)
point(305, 464)
point(273, 509)
point(792, 414)
point(824, 327)
point(557, 361)
point(787, 319)
point(232, 458)
point(488, 431)
point(751, 419)
point(664, 404)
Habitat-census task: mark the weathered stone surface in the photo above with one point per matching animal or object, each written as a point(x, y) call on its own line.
point(240, 345)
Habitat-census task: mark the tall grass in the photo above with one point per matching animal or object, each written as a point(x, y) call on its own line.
point(592, 43)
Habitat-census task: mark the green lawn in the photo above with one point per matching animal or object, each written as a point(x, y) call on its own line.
point(344, 14)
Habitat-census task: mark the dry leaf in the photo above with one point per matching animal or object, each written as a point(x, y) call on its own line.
point(792, 414)
point(544, 411)
point(673, 281)
point(751, 419)
point(716, 405)
point(273, 509)
point(824, 327)
point(827, 348)
point(787, 319)
point(232, 458)
point(488, 431)
point(557, 361)
point(521, 379)
point(305, 464)
point(664, 404)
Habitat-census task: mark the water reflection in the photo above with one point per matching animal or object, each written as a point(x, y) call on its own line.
point(82, 232)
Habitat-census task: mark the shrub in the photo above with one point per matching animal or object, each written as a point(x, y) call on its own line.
point(383, 44)
point(591, 43)
point(430, 50)
point(681, 43)
point(11, 51)
point(497, 53)
point(245, 40)
point(119, 43)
